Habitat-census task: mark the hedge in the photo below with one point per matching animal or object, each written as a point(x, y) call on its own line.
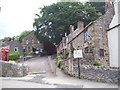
point(14, 56)
point(59, 60)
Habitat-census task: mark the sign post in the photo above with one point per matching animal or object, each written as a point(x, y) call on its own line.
point(78, 54)
point(78, 68)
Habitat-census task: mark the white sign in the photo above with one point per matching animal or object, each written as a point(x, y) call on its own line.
point(78, 54)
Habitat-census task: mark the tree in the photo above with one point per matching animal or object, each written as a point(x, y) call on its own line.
point(99, 6)
point(23, 34)
point(15, 37)
point(53, 21)
point(7, 39)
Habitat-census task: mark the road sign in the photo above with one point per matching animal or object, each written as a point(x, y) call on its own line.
point(78, 54)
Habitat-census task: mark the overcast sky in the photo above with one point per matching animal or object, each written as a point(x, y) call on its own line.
point(18, 15)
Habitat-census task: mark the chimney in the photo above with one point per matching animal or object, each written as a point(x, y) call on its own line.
point(109, 7)
point(80, 26)
point(71, 28)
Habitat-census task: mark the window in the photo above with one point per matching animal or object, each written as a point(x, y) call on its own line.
point(85, 36)
point(16, 49)
point(102, 52)
point(86, 50)
point(27, 42)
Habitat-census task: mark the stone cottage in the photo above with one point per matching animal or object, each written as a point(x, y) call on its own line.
point(31, 43)
point(13, 46)
point(91, 39)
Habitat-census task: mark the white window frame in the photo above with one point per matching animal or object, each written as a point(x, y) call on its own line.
point(16, 49)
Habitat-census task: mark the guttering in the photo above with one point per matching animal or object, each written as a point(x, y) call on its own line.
point(113, 27)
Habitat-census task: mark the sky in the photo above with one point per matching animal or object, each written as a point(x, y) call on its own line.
point(18, 15)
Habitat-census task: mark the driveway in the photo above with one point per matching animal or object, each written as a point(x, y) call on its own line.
point(38, 65)
point(46, 72)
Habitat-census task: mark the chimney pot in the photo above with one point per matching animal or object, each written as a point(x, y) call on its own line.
point(71, 28)
point(80, 26)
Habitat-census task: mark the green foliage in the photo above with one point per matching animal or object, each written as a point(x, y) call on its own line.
point(72, 50)
point(23, 34)
point(99, 6)
point(19, 37)
point(65, 54)
point(15, 37)
point(31, 53)
point(14, 56)
point(62, 69)
point(53, 21)
point(25, 54)
point(90, 49)
point(27, 57)
point(59, 60)
point(96, 62)
point(6, 39)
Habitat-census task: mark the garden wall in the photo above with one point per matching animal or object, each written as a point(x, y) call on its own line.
point(8, 69)
point(90, 72)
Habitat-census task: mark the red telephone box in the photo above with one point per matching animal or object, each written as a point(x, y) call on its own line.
point(5, 54)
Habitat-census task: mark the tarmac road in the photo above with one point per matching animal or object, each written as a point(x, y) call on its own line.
point(44, 74)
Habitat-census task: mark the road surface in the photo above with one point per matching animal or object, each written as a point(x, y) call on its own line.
point(43, 73)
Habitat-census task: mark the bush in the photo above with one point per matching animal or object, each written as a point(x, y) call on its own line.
point(72, 50)
point(14, 56)
point(25, 54)
point(59, 60)
point(31, 53)
point(65, 54)
point(62, 69)
point(96, 62)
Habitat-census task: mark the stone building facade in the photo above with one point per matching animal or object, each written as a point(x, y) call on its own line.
point(13, 46)
point(91, 39)
point(31, 43)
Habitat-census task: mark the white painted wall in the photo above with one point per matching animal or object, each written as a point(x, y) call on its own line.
point(113, 47)
point(115, 18)
point(113, 39)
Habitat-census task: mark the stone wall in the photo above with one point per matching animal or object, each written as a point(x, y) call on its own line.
point(8, 69)
point(90, 72)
